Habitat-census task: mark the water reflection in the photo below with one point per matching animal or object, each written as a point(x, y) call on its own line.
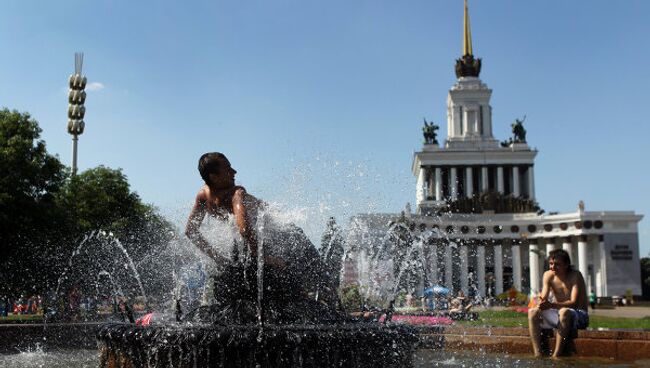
point(38, 358)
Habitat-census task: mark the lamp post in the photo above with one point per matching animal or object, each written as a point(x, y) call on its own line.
point(76, 108)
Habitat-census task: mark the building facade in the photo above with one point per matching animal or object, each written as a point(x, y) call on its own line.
point(476, 195)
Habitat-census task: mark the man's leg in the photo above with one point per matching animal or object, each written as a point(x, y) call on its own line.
point(534, 322)
point(563, 331)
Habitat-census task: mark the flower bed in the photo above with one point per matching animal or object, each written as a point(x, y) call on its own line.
point(420, 320)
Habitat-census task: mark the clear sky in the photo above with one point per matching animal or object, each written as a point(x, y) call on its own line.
point(319, 104)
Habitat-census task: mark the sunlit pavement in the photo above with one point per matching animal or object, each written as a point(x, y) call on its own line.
point(623, 312)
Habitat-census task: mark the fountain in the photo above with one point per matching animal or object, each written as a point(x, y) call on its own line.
point(262, 315)
point(100, 267)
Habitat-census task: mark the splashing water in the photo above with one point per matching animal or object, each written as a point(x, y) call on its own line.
point(99, 256)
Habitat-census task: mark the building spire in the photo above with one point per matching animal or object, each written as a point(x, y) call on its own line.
point(467, 66)
point(467, 33)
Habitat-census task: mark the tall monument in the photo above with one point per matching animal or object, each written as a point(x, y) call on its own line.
point(76, 108)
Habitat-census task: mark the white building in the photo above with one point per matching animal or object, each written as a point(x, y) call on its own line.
point(481, 195)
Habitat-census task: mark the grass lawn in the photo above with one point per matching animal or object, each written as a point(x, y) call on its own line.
point(22, 318)
point(509, 318)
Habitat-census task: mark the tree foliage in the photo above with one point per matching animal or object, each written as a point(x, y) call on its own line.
point(101, 198)
point(645, 277)
point(29, 217)
point(28, 176)
point(351, 298)
point(44, 210)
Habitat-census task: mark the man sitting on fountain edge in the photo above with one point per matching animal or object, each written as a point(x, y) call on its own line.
point(568, 312)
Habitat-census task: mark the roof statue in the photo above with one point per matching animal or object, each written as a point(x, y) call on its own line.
point(518, 131)
point(429, 132)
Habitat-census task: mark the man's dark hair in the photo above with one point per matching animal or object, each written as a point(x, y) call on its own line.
point(561, 255)
point(209, 164)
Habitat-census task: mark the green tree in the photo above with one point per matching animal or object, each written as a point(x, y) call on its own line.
point(44, 211)
point(29, 217)
point(645, 277)
point(351, 297)
point(101, 198)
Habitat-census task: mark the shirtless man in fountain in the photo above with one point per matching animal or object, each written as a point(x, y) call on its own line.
point(567, 312)
point(293, 268)
point(220, 197)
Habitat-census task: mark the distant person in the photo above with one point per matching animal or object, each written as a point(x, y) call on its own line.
point(592, 299)
point(568, 312)
point(459, 304)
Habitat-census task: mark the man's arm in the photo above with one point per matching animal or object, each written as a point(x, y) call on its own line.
point(242, 221)
point(194, 223)
point(546, 285)
point(546, 290)
point(245, 228)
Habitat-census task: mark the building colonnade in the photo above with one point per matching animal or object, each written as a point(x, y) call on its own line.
point(441, 183)
point(490, 267)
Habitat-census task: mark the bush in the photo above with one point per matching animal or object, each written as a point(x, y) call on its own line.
point(519, 297)
point(351, 297)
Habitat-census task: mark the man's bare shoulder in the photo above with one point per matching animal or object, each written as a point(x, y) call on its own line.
point(576, 277)
point(203, 194)
point(245, 196)
point(548, 275)
point(240, 191)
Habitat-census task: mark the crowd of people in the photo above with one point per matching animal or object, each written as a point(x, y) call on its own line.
point(21, 305)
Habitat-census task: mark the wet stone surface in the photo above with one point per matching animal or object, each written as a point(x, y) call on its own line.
point(86, 358)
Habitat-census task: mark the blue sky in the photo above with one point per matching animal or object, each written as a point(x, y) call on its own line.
point(319, 104)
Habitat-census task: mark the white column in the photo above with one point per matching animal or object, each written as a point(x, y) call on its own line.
point(484, 179)
point(453, 184)
point(500, 179)
point(603, 266)
point(430, 183)
point(498, 269)
point(464, 268)
point(480, 269)
point(550, 246)
point(516, 266)
point(438, 184)
point(568, 247)
point(597, 283)
point(469, 182)
point(533, 263)
point(515, 182)
point(531, 182)
point(449, 271)
point(583, 263)
point(421, 188)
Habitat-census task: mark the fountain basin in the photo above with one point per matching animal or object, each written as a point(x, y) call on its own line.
point(184, 345)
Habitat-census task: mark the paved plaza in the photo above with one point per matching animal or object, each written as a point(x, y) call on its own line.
point(624, 312)
point(619, 312)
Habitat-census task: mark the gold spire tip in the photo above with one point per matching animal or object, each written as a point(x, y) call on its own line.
point(467, 33)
